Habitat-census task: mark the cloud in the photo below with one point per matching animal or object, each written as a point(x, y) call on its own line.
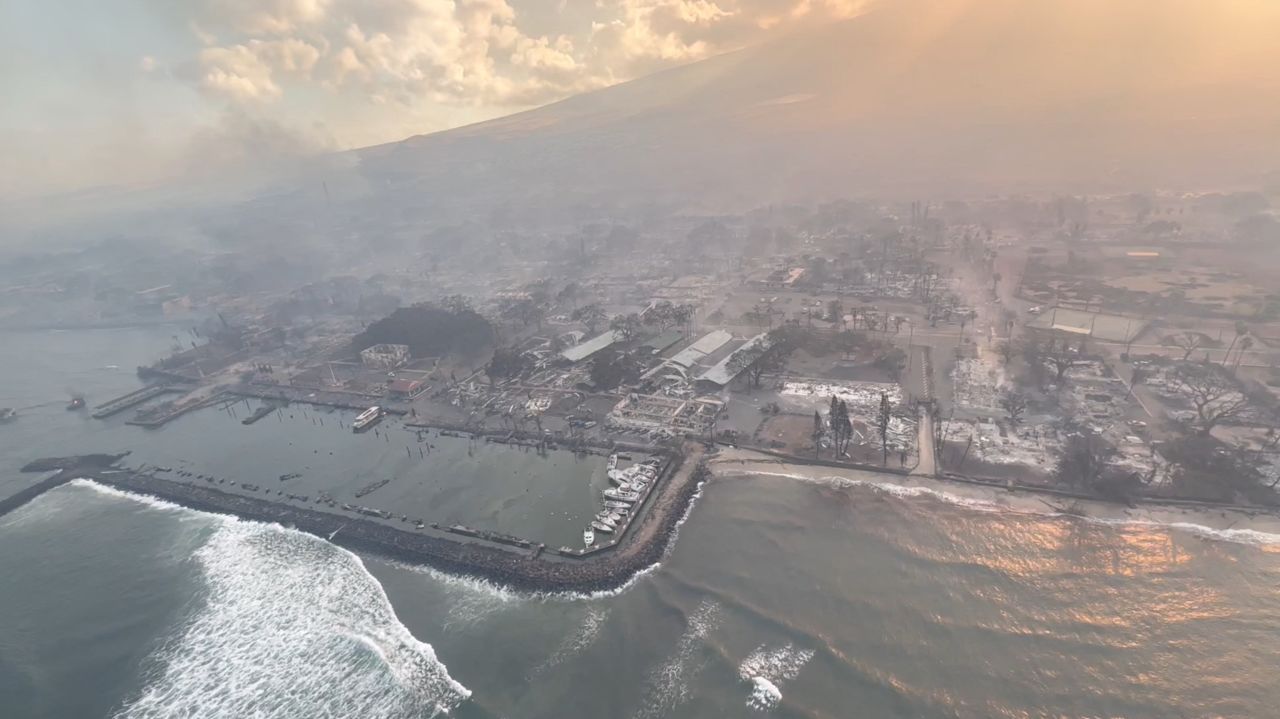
point(469, 52)
point(247, 73)
point(262, 17)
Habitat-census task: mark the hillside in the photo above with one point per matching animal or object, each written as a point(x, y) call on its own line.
point(957, 96)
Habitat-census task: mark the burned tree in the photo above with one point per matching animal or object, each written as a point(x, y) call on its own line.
point(768, 355)
point(1188, 342)
point(1214, 396)
point(1014, 404)
point(841, 425)
point(626, 327)
point(592, 315)
point(1059, 353)
point(1084, 460)
point(882, 423)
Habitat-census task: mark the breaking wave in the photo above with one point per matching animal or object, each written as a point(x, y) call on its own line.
point(669, 685)
point(289, 626)
point(1239, 536)
point(149, 501)
point(766, 667)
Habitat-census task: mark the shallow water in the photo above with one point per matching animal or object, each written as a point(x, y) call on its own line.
point(780, 598)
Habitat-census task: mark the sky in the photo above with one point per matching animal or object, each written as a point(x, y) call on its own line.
point(136, 92)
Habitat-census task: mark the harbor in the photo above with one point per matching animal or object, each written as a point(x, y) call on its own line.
point(506, 560)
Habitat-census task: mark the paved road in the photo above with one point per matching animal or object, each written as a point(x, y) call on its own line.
point(928, 464)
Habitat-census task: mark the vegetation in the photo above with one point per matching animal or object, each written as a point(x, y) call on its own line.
point(1014, 403)
point(506, 362)
point(610, 368)
point(1212, 393)
point(1084, 460)
point(430, 330)
point(767, 356)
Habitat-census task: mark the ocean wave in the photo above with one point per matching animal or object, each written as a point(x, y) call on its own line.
point(765, 695)
point(109, 491)
point(890, 488)
point(766, 667)
point(574, 644)
point(1239, 536)
point(669, 685)
point(290, 626)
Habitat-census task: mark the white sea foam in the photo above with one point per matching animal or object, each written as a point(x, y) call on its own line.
point(110, 491)
point(766, 667)
point(574, 644)
point(896, 490)
point(291, 626)
point(1240, 536)
point(765, 695)
point(668, 685)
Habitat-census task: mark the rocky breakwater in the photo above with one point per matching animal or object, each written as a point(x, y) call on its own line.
point(545, 572)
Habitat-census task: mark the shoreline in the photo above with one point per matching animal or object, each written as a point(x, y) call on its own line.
point(1185, 514)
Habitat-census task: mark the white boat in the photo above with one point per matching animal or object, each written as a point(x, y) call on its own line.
point(621, 495)
point(602, 527)
point(615, 504)
point(588, 537)
point(613, 461)
point(607, 519)
point(366, 419)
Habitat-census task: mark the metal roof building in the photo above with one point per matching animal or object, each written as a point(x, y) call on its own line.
point(663, 341)
point(579, 352)
point(724, 372)
point(706, 345)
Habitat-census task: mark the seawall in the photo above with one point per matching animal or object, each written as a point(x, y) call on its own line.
point(518, 569)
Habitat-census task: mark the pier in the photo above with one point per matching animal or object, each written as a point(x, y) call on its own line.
point(319, 398)
point(133, 399)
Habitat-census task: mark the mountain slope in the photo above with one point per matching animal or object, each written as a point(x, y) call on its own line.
point(959, 96)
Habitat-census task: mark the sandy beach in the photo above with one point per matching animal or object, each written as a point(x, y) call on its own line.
point(1236, 524)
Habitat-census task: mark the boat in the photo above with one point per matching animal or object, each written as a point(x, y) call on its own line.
point(366, 419)
point(588, 537)
point(615, 504)
point(622, 495)
point(597, 526)
point(606, 518)
point(76, 403)
point(613, 462)
point(8, 414)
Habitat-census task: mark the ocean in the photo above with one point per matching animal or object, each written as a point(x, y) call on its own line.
point(779, 597)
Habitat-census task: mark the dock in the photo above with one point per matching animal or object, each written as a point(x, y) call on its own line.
point(319, 398)
point(133, 399)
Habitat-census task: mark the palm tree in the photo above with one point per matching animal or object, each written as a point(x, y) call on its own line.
point(1240, 330)
point(1245, 344)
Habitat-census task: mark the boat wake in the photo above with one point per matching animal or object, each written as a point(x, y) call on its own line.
point(289, 626)
point(766, 667)
point(1239, 536)
point(669, 685)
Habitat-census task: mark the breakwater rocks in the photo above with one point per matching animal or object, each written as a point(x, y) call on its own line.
point(522, 570)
